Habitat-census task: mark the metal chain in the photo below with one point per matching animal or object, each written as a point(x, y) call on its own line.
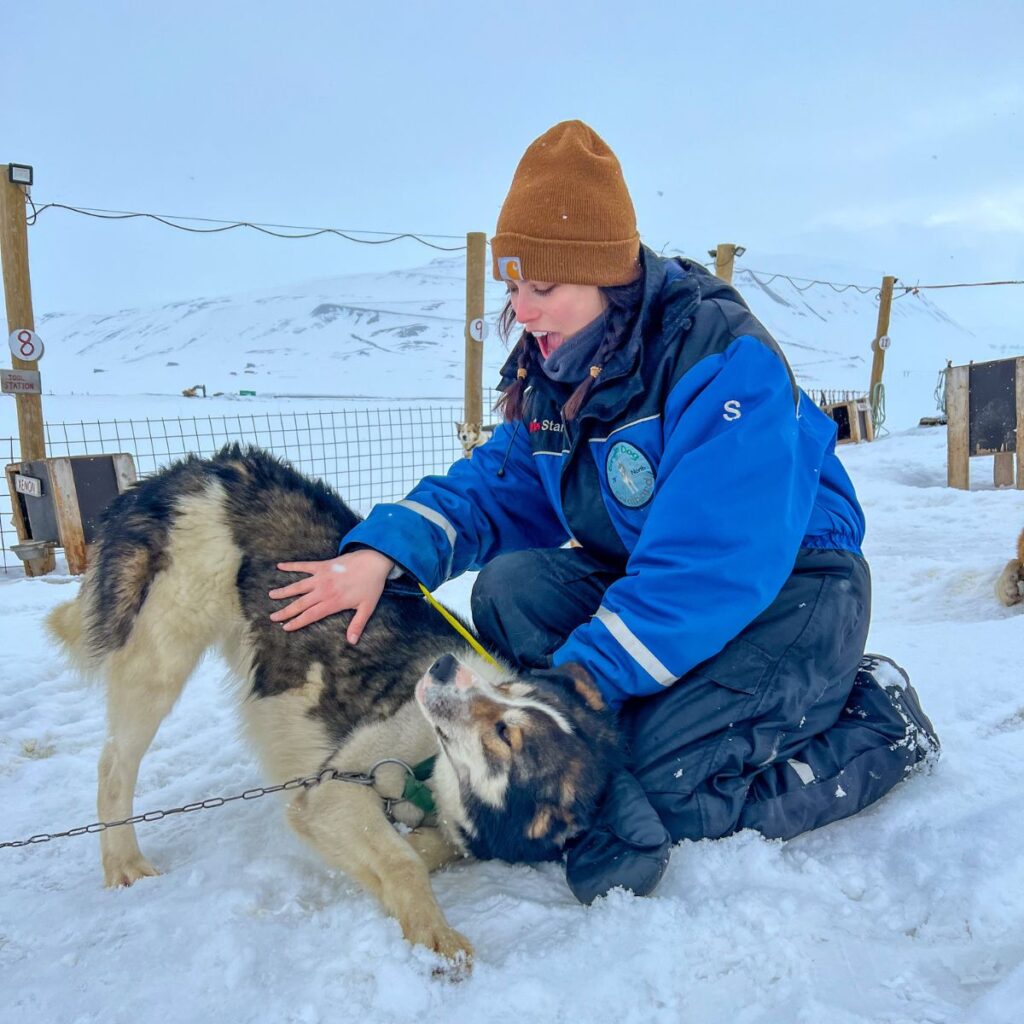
point(307, 782)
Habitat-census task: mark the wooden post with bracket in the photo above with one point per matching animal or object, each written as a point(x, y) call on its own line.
point(18, 299)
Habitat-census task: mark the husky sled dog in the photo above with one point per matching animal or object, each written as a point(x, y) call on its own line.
point(183, 562)
point(472, 436)
point(1010, 585)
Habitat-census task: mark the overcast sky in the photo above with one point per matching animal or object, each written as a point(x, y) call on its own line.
point(884, 135)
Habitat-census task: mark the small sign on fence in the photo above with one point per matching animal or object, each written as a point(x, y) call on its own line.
point(477, 328)
point(28, 485)
point(20, 382)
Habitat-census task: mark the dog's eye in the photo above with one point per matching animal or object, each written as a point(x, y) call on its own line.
point(502, 730)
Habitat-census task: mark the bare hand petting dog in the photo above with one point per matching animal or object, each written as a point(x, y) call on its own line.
point(354, 580)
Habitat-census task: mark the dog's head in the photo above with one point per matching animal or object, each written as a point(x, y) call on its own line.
point(472, 436)
point(469, 435)
point(523, 760)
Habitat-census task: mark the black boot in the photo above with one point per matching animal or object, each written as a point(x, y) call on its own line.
point(878, 670)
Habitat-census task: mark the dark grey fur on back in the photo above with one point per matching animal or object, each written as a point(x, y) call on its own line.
point(275, 514)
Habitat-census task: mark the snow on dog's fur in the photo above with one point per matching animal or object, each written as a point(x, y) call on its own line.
point(183, 562)
point(1010, 585)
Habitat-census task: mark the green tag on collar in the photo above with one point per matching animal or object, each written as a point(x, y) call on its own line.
point(416, 790)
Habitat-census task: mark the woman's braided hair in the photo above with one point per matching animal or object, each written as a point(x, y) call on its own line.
point(623, 305)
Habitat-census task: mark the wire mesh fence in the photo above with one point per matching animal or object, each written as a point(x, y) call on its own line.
point(367, 455)
point(8, 448)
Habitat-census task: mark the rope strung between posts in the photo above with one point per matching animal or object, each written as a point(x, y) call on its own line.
point(295, 231)
point(298, 231)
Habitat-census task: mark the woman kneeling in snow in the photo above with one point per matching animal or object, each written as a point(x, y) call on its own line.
point(716, 592)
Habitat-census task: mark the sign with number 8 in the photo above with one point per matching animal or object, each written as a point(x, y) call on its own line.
point(26, 345)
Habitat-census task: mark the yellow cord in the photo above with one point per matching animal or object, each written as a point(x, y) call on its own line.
point(456, 625)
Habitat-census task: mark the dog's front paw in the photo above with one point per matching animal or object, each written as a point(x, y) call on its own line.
point(121, 873)
point(446, 942)
point(1010, 585)
point(457, 953)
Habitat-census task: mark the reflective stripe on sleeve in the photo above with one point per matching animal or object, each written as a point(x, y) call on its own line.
point(634, 648)
point(431, 515)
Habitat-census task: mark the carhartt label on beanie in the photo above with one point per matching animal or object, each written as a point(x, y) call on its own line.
point(568, 217)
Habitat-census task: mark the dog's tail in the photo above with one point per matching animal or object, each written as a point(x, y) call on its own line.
point(66, 625)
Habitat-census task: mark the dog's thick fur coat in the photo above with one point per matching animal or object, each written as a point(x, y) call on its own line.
point(184, 561)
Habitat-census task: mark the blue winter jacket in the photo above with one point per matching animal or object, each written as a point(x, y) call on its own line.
point(696, 467)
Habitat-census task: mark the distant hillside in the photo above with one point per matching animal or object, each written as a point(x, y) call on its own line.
point(400, 335)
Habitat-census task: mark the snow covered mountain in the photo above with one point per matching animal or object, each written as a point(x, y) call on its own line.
point(400, 335)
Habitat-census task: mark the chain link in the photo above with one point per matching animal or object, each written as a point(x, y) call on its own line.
point(307, 782)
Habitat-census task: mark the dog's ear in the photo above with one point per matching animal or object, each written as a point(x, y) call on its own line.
point(585, 685)
point(574, 677)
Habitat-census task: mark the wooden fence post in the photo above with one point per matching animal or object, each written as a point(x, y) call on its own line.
point(1020, 424)
point(18, 298)
point(476, 255)
point(881, 343)
point(725, 256)
point(958, 460)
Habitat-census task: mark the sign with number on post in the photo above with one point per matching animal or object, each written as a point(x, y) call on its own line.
point(26, 344)
point(20, 382)
point(477, 328)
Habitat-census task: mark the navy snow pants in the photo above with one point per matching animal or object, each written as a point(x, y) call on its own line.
point(771, 733)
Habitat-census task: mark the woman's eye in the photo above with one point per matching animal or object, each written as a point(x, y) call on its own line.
point(544, 291)
point(502, 730)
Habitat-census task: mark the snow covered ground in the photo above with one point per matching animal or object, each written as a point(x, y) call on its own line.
point(911, 912)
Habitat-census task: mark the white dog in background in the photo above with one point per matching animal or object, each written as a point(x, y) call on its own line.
point(471, 435)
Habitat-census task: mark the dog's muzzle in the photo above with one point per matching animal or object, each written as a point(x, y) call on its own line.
point(443, 670)
point(445, 689)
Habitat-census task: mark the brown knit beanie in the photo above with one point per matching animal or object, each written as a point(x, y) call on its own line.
point(567, 218)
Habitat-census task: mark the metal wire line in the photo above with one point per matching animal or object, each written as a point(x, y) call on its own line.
point(296, 231)
point(863, 289)
point(906, 289)
point(765, 279)
point(973, 284)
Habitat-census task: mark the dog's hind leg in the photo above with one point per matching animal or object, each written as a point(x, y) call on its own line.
point(144, 679)
point(346, 825)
